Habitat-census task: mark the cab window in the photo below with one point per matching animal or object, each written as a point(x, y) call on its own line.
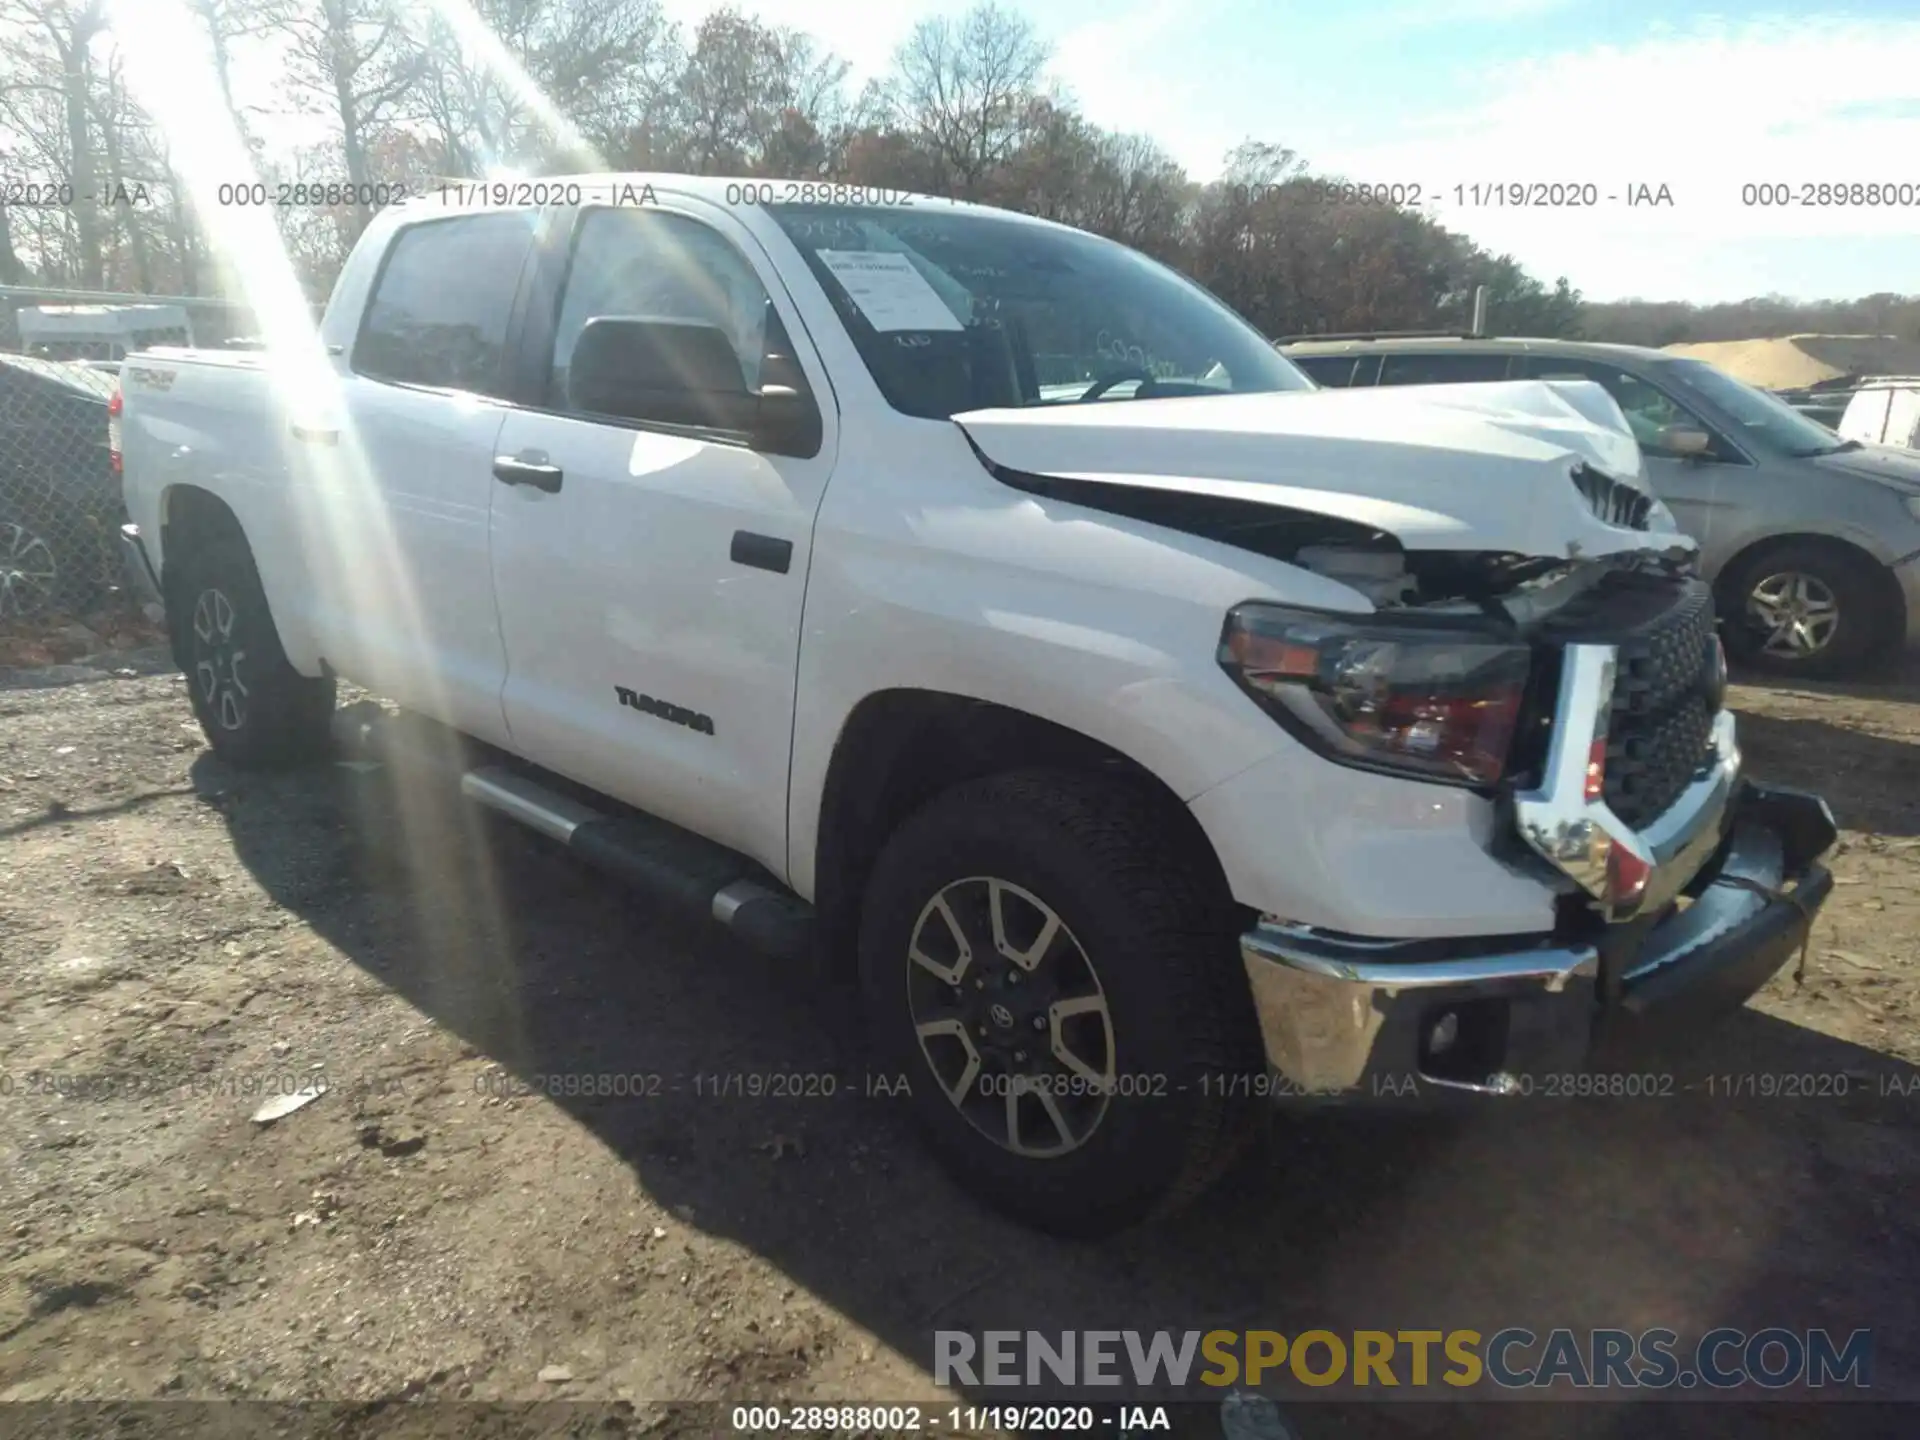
point(439, 310)
point(645, 264)
point(1403, 369)
point(1333, 371)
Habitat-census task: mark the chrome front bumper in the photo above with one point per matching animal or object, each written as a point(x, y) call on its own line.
point(1350, 1018)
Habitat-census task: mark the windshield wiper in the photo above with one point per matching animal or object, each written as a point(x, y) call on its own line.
point(1839, 449)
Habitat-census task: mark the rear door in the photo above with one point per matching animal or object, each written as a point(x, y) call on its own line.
point(650, 584)
point(396, 505)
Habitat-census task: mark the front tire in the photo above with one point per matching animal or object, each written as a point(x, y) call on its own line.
point(1055, 971)
point(1804, 609)
point(256, 710)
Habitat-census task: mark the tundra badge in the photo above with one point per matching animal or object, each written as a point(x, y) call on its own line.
point(678, 714)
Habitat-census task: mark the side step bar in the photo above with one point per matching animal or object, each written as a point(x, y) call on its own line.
point(650, 854)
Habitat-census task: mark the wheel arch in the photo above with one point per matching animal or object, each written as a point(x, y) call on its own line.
point(191, 515)
point(900, 748)
point(1891, 607)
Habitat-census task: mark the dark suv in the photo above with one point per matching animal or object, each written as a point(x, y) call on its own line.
point(60, 505)
point(1812, 542)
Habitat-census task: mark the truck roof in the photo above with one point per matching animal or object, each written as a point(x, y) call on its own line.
point(1483, 345)
point(728, 190)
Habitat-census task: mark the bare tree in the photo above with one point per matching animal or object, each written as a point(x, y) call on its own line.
point(12, 270)
point(130, 183)
point(226, 21)
point(354, 61)
point(63, 33)
point(1137, 193)
point(551, 82)
point(725, 93)
point(753, 98)
point(964, 87)
point(414, 91)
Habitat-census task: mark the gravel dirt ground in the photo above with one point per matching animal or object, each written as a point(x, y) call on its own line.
point(182, 942)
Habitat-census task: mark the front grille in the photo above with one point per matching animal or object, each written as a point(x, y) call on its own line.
point(1664, 696)
point(1613, 502)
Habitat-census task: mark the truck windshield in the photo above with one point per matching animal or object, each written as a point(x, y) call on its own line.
point(1772, 422)
point(955, 311)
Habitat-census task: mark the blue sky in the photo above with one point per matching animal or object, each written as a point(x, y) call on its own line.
point(1458, 92)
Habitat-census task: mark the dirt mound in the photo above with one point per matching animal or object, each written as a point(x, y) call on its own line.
point(1793, 362)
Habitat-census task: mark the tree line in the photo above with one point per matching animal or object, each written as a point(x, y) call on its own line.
point(403, 94)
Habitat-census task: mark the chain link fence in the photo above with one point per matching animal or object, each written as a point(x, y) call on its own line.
point(61, 561)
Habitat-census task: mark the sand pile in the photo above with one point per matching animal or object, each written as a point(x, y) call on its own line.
point(1793, 362)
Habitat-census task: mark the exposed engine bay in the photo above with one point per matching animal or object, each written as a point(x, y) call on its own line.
point(1521, 589)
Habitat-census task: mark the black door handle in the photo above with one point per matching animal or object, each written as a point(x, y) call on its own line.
point(763, 552)
point(509, 471)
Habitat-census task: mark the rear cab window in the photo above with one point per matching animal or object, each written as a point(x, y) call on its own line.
point(442, 302)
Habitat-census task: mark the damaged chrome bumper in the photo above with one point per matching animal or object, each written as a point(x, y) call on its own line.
point(1627, 872)
point(1343, 1016)
point(1694, 913)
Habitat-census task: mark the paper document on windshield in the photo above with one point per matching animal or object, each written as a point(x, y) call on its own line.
point(889, 291)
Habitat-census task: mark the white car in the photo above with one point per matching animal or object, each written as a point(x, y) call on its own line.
point(1146, 744)
point(1885, 410)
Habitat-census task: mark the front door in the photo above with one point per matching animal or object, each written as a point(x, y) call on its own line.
point(650, 576)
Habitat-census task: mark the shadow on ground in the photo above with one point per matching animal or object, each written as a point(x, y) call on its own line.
point(1868, 780)
point(1691, 1210)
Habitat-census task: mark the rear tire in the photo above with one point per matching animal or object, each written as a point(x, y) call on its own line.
point(1139, 981)
point(1804, 609)
point(257, 711)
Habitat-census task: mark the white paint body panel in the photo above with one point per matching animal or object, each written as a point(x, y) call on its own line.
point(913, 568)
point(1442, 467)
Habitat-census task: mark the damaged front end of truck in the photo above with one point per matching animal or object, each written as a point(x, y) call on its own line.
point(1528, 624)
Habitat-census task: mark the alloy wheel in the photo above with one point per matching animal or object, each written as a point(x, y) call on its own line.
point(217, 660)
point(1011, 1016)
point(28, 571)
point(1798, 613)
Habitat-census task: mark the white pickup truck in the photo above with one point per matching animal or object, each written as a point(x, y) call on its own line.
point(988, 613)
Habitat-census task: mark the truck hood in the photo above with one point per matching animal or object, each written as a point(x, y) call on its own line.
point(1507, 467)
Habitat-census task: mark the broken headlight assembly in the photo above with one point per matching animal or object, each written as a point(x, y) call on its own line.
point(1436, 700)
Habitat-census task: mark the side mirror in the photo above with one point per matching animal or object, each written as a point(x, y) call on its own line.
point(786, 420)
point(1683, 441)
point(673, 372)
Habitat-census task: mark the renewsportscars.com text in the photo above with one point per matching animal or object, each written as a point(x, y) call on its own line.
point(1376, 1360)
